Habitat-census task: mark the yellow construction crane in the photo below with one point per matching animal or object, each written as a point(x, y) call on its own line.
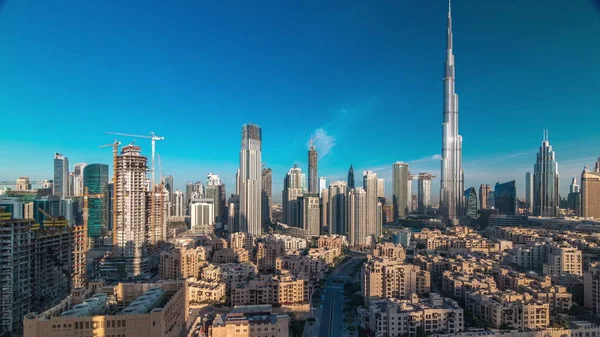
point(115, 146)
point(54, 221)
point(86, 214)
point(152, 137)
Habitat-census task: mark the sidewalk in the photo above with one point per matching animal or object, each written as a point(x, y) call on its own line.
point(312, 330)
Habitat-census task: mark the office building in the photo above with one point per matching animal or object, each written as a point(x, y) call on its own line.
point(373, 222)
point(61, 176)
point(574, 197)
point(484, 193)
point(424, 192)
point(590, 192)
point(324, 210)
point(312, 169)
point(293, 188)
point(244, 320)
point(380, 188)
point(529, 190)
point(505, 198)
point(322, 185)
point(157, 203)
point(168, 184)
point(267, 194)
point(233, 218)
point(130, 192)
point(350, 178)
point(202, 215)
point(337, 208)
point(77, 187)
point(452, 176)
point(250, 180)
point(95, 183)
point(400, 176)
point(358, 216)
point(471, 203)
point(178, 203)
point(311, 214)
point(213, 192)
point(545, 181)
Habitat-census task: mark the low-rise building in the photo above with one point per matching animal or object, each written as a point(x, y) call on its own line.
point(508, 309)
point(390, 251)
point(179, 262)
point(229, 255)
point(457, 284)
point(393, 279)
point(251, 320)
point(229, 273)
point(202, 292)
point(396, 318)
point(242, 240)
point(270, 289)
point(267, 254)
point(302, 266)
point(326, 255)
point(332, 241)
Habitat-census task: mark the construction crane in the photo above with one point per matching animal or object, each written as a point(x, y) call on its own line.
point(14, 183)
point(115, 146)
point(86, 214)
point(55, 221)
point(152, 137)
point(312, 141)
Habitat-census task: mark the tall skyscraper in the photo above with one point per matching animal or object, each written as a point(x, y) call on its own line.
point(213, 191)
point(324, 209)
point(312, 169)
point(95, 180)
point(311, 213)
point(452, 179)
point(424, 191)
point(471, 203)
point(574, 197)
point(61, 176)
point(337, 207)
point(267, 194)
point(351, 178)
point(322, 184)
point(590, 191)
point(545, 181)
point(528, 190)
point(505, 198)
point(370, 187)
point(250, 180)
point(157, 202)
point(484, 192)
point(358, 227)
point(380, 188)
point(237, 182)
point(130, 192)
point(168, 183)
point(409, 193)
point(78, 179)
point(400, 195)
point(178, 199)
point(293, 188)
point(574, 188)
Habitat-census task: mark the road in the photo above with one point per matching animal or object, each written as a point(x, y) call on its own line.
point(332, 317)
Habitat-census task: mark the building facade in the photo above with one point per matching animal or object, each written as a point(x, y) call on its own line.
point(60, 185)
point(590, 191)
point(250, 180)
point(358, 229)
point(471, 203)
point(400, 197)
point(293, 188)
point(505, 198)
point(95, 182)
point(545, 181)
point(337, 208)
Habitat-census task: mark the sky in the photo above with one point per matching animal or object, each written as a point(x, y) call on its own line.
point(366, 76)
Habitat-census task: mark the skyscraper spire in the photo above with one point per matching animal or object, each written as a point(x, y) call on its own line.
point(452, 177)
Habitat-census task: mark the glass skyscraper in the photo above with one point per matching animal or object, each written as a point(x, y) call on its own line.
point(505, 198)
point(95, 179)
point(545, 181)
point(471, 203)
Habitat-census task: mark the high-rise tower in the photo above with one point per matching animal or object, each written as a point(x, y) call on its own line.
point(351, 178)
point(452, 179)
point(293, 188)
point(400, 195)
point(484, 193)
point(424, 192)
point(529, 190)
point(545, 181)
point(358, 226)
point(95, 179)
point(267, 194)
point(373, 223)
point(61, 176)
point(313, 183)
point(250, 180)
point(590, 191)
point(337, 207)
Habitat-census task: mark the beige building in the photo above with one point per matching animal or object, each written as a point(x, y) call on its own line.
point(591, 288)
point(332, 241)
point(327, 255)
point(229, 273)
point(393, 279)
point(267, 254)
point(562, 259)
point(508, 279)
point(202, 292)
point(516, 310)
point(229, 255)
point(216, 244)
point(179, 262)
point(456, 284)
point(590, 192)
point(250, 321)
point(131, 309)
point(270, 289)
point(242, 240)
point(311, 214)
point(396, 318)
point(305, 267)
point(390, 251)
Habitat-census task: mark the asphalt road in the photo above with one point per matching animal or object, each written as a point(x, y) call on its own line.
point(332, 317)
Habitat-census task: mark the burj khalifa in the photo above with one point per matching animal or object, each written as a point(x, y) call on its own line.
point(452, 177)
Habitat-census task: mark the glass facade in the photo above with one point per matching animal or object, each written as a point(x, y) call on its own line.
point(471, 203)
point(95, 179)
point(505, 198)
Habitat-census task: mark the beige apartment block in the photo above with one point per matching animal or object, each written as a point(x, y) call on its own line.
point(267, 254)
point(202, 292)
point(326, 255)
point(591, 288)
point(456, 284)
point(562, 259)
point(517, 310)
point(396, 318)
point(229, 273)
point(229, 255)
point(590, 193)
point(393, 279)
point(159, 311)
point(216, 244)
point(390, 251)
point(556, 296)
point(179, 262)
point(270, 289)
point(508, 279)
point(302, 266)
point(242, 240)
point(250, 321)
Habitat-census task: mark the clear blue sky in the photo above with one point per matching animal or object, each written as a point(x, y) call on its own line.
point(367, 75)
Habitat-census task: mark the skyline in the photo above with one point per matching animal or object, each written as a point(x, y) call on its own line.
point(492, 152)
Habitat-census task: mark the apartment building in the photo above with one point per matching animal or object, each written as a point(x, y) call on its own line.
point(306, 267)
point(229, 255)
point(229, 273)
point(562, 259)
point(251, 320)
point(130, 309)
point(457, 284)
point(393, 279)
point(179, 262)
point(396, 318)
point(508, 308)
point(270, 289)
point(591, 288)
point(267, 254)
point(332, 241)
point(508, 279)
point(327, 255)
point(389, 251)
point(242, 240)
point(202, 292)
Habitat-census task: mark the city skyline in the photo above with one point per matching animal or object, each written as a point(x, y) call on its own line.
point(491, 153)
